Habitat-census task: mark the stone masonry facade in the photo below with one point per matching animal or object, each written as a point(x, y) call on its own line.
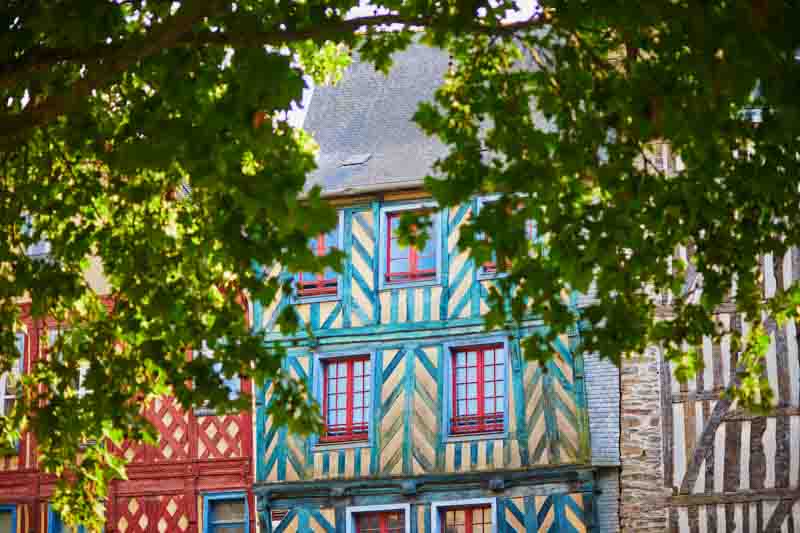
point(643, 496)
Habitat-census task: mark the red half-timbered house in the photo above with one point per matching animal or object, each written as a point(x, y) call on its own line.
point(198, 478)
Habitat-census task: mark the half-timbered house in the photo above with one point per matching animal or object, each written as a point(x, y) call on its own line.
point(432, 423)
point(197, 479)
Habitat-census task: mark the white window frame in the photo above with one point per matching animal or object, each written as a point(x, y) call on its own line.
point(447, 404)
point(83, 365)
point(17, 370)
point(325, 297)
point(208, 353)
point(317, 384)
point(435, 233)
point(438, 507)
point(353, 511)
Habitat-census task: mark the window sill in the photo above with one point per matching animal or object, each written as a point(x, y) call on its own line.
point(389, 285)
point(317, 298)
point(476, 436)
point(494, 274)
point(330, 446)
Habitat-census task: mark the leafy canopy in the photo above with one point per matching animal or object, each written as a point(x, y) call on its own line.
point(109, 109)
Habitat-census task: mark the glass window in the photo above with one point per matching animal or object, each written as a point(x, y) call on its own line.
point(233, 384)
point(345, 399)
point(227, 515)
point(381, 522)
point(407, 263)
point(7, 524)
point(473, 519)
point(478, 389)
point(9, 380)
point(83, 365)
point(323, 283)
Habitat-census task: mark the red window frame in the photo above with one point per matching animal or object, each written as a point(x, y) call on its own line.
point(490, 267)
point(481, 421)
point(414, 272)
point(350, 431)
point(383, 522)
point(471, 514)
point(319, 285)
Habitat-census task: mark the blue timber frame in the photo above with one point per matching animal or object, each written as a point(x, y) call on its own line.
point(407, 329)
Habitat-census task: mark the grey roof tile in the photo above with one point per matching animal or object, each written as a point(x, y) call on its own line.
point(364, 129)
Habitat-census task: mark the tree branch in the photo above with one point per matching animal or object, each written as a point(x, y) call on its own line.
point(105, 61)
point(167, 35)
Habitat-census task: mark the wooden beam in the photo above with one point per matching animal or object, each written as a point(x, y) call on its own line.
point(736, 497)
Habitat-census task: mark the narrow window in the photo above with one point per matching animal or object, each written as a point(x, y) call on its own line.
point(9, 380)
point(381, 522)
point(473, 519)
point(227, 515)
point(406, 263)
point(478, 390)
point(233, 384)
point(324, 283)
point(83, 365)
point(8, 518)
point(345, 400)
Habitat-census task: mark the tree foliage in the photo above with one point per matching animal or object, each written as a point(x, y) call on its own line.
point(150, 135)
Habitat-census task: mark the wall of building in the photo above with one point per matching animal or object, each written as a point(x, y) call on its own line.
point(643, 496)
point(603, 406)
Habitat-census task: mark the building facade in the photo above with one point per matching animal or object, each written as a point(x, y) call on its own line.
point(432, 423)
point(198, 479)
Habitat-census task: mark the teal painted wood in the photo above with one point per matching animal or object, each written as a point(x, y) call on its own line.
point(347, 274)
point(519, 407)
point(408, 412)
point(377, 387)
point(445, 253)
point(376, 214)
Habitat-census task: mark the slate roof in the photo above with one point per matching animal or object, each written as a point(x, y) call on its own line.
point(364, 129)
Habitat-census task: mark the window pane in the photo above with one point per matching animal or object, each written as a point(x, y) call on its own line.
point(232, 528)
point(5, 522)
point(398, 265)
point(427, 262)
point(461, 391)
point(472, 358)
point(332, 239)
point(227, 510)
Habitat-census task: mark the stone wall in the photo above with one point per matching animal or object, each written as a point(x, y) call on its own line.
point(642, 492)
